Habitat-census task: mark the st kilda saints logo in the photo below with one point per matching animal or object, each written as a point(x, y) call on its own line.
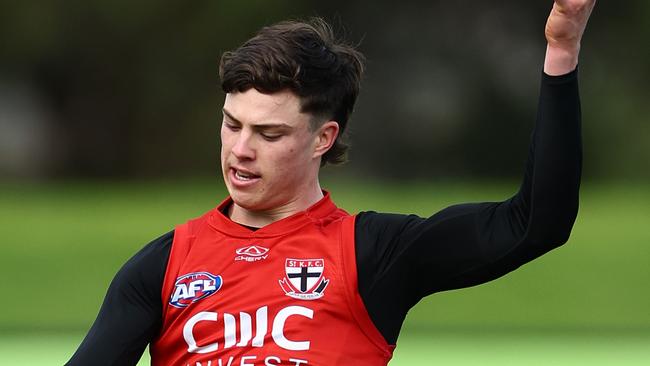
point(192, 287)
point(304, 278)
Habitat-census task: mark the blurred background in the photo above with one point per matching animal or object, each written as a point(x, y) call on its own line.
point(109, 136)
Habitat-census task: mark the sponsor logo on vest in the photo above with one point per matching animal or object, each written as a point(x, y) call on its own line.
point(304, 278)
point(251, 253)
point(193, 287)
point(248, 360)
point(242, 337)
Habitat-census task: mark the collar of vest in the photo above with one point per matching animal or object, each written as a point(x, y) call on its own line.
point(318, 213)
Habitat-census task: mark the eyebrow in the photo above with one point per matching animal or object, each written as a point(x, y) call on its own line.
point(257, 125)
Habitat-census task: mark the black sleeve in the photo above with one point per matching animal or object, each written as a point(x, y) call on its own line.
point(410, 257)
point(131, 314)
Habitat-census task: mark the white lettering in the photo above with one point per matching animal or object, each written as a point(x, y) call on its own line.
point(230, 359)
point(188, 334)
point(261, 316)
point(249, 360)
point(250, 259)
point(245, 329)
point(209, 285)
point(297, 361)
point(267, 361)
point(230, 330)
point(278, 328)
point(180, 292)
point(194, 286)
point(246, 358)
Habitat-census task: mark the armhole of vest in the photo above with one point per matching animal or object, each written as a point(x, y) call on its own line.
point(355, 302)
point(180, 232)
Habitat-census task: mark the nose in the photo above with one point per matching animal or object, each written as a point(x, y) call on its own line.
point(243, 149)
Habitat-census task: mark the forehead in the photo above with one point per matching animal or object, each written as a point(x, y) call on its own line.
point(254, 107)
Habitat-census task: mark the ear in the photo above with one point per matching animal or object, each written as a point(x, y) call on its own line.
point(325, 137)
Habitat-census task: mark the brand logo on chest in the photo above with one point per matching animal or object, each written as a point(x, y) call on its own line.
point(304, 278)
point(251, 253)
point(193, 287)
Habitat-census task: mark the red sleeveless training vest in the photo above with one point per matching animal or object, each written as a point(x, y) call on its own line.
point(285, 294)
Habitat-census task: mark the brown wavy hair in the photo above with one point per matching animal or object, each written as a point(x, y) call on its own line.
point(307, 58)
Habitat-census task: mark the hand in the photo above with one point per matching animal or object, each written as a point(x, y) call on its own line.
point(567, 22)
point(564, 29)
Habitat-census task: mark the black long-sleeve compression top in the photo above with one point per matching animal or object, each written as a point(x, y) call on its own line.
point(460, 246)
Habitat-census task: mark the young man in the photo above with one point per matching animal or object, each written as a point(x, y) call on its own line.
point(277, 274)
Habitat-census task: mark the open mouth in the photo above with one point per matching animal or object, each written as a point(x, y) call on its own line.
point(243, 176)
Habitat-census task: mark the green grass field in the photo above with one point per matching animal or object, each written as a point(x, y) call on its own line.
point(585, 303)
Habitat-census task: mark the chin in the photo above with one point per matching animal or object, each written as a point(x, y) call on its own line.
point(248, 201)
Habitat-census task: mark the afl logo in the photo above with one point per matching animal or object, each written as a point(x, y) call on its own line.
point(193, 287)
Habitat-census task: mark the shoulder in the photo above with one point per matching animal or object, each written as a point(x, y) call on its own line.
point(376, 233)
point(371, 223)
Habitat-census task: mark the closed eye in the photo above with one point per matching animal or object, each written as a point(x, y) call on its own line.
point(231, 126)
point(270, 136)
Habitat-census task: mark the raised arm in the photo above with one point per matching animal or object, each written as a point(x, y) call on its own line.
point(469, 244)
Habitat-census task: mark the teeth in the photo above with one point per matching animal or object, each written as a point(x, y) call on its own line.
point(243, 176)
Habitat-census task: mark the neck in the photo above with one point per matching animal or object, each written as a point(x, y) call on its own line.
point(261, 218)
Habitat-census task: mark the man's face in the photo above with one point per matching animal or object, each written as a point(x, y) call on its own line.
point(267, 150)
